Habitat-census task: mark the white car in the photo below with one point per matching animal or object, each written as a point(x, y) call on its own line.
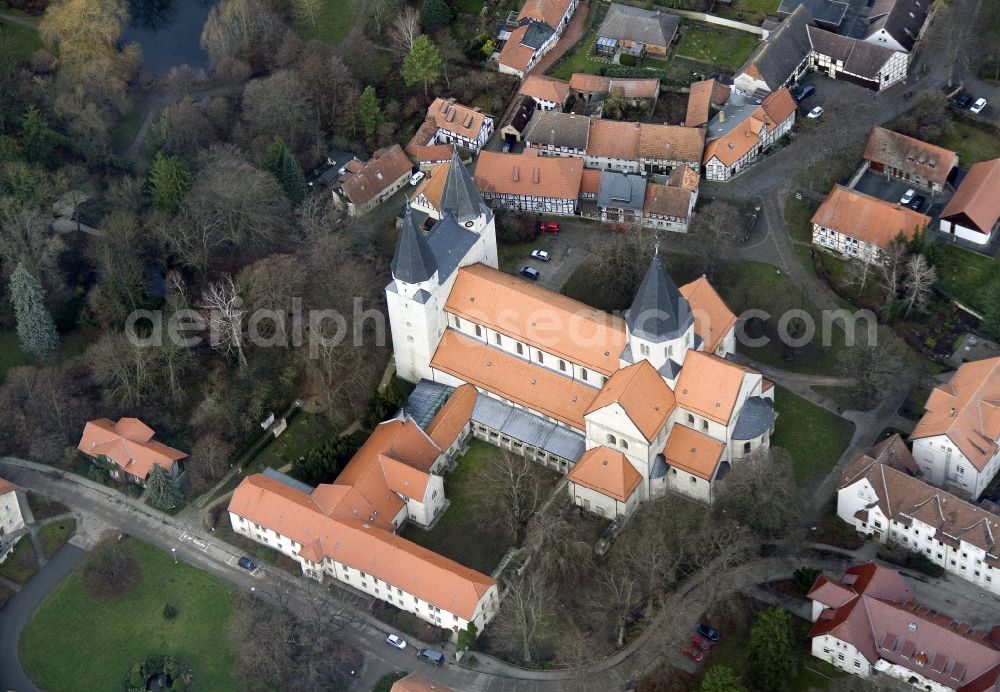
point(815, 112)
point(908, 196)
point(416, 177)
point(396, 641)
point(541, 255)
point(978, 106)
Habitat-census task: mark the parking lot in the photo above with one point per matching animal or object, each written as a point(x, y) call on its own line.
point(892, 189)
point(567, 250)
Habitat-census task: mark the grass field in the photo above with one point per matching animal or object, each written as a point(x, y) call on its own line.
point(578, 59)
point(963, 275)
point(334, 23)
point(55, 534)
point(21, 41)
point(812, 435)
point(75, 641)
point(749, 11)
point(21, 564)
point(304, 431)
point(798, 213)
point(973, 143)
point(716, 46)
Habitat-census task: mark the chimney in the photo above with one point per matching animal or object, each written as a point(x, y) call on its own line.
point(515, 173)
point(535, 174)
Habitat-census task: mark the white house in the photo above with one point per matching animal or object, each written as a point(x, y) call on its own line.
point(955, 443)
point(529, 182)
point(974, 211)
point(11, 518)
point(882, 495)
point(739, 133)
point(453, 123)
point(897, 24)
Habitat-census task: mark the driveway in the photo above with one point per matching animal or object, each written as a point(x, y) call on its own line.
point(18, 611)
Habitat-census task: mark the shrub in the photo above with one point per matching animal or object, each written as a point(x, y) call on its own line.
point(918, 562)
point(169, 612)
point(803, 578)
point(627, 60)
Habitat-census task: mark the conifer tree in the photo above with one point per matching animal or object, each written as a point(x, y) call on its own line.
point(35, 328)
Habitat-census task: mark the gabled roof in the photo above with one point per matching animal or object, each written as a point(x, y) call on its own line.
point(901, 19)
point(735, 143)
point(460, 196)
point(515, 54)
point(635, 24)
point(6, 486)
point(545, 88)
point(967, 410)
point(858, 57)
point(621, 191)
point(977, 198)
point(710, 386)
point(642, 394)
point(667, 200)
point(384, 168)
point(777, 56)
point(538, 317)
point(703, 96)
point(613, 139)
point(432, 186)
point(634, 88)
point(550, 12)
point(692, 451)
point(128, 444)
point(671, 143)
point(451, 116)
point(452, 418)
point(537, 176)
point(558, 129)
point(712, 317)
point(907, 154)
point(606, 471)
point(829, 12)
point(413, 261)
point(585, 83)
point(869, 219)
point(659, 312)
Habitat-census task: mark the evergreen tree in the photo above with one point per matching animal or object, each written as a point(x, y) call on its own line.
point(369, 111)
point(423, 64)
point(769, 658)
point(170, 179)
point(163, 489)
point(467, 637)
point(721, 678)
point(434, 15)
point(282, 165)
point(35, 328)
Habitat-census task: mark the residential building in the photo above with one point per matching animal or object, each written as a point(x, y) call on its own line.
point(557, 134)
point(363, 186)
point(665, 147)
point(347, 529)
point(668, 208)
point(545, 184)
point(882, 494)
point(868, 622)
point(899, 156)
point(414, 682)
point(974, 212)
point(549, 93)
point(453, 123)
point(797, 46)
point(706, 96)
point(862, 227)
point(620, 197)
point(897, 24)
point(628, 30)
point(11, 517)
point(654, 385)
point(518, 119)
point(532, 33)
point(742, 131)
point(593, 88)
point(828, 14)
point(956, 441)
point(613, 145)
point(127, 450)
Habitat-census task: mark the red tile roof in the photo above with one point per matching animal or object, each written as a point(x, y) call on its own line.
point(129, 444)
point(869, 219)
point(536, 176)
point(385, 167)
point(905, 153)
point(606, 471)
point(977, 198)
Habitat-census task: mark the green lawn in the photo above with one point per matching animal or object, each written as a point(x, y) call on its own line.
point(798, 213)
point(578, 59)
point(334, 22)
point(55, 534)
point(812, 435)
point(716, 46)
point(76, 641)
point(21, 564)
point(513, 257)
point(124, 133)
point(972, 142)
point(304, 431)
point(458, 535)
point(749, 11)
point(21, 41)
point(963, 275)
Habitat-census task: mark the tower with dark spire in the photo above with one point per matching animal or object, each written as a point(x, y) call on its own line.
point(659, 322)
point(461, 198)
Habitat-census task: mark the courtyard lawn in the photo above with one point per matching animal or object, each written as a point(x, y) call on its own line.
point(963, 275)
point(304, 431)
point(22, 42)
point(76, 641)
point(578, 59)
point(972, 142)
point(55, 534)
point(813, 436)
point(725, 48)
point(334, 23)
point(748, 11)
point(20, 565)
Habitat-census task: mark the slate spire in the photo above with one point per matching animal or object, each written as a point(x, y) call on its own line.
point(413, 262)
point(659, 312)
point(460, 196)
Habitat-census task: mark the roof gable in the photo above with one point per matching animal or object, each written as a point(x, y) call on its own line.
point(643, 396)
point(606, 471)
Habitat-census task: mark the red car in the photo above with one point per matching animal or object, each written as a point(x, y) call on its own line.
point(701, 642)
point(693, 653)
point(549, 227)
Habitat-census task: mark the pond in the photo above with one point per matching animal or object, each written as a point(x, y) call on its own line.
point(169, 32)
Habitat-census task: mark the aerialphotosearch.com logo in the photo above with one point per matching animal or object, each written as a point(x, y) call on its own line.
point(226, 326)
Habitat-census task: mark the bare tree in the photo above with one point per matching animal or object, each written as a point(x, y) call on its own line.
point(619, 596)
point(918, 284)
point(760, 492)
point(209, 459)
point(725, 547)
point(575, 648)
point(126, 371)
point(556, 551)
point(225, 317)
point(714, 230)
point(405, 29)
point(892, 271)
point(509, 491)
point(525, 606)
point(307, 11)
point(874, 366)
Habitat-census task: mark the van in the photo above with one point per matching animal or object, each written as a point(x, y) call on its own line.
point(416, 177)
point(431, 656)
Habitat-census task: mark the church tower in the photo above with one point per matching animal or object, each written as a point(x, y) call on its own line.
point(660, 323)
point(462, 199)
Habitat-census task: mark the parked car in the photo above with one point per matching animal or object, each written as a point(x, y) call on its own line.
point(530, 272)
point(694, 653)
point(416, 177)
point(431, 656)
point(815, 112)
point(964, 100)
point(804, 92)
point(918, 203)
point(396, 641)
point(908, 196)
point(246, 563)
point(708, 633)
point(701, 642)
point(549, 227)
point(542, 255)
point(978, 106)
